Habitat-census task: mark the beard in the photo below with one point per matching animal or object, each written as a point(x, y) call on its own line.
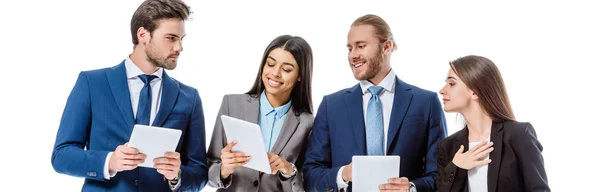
point(153, 57)
point(373, 67)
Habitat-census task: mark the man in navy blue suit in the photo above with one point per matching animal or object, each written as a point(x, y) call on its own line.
point(381, 115)
point(105, 104)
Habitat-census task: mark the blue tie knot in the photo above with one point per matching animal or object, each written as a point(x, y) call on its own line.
point(147, 78)
point(375, 90)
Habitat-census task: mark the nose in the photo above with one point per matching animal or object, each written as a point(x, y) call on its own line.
point(353, 54)
point(178, 47)
point(276, 72)
point(442, 91)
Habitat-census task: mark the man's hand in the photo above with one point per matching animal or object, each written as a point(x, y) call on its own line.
point(279, 164)
point(347, 173)
point(396, 185)
point(125, 158)
point(168, 165)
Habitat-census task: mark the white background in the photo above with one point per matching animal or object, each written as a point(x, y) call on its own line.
point(546, 51)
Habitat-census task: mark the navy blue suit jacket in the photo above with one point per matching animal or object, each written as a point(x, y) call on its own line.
point(98, 117)
point(417, 124)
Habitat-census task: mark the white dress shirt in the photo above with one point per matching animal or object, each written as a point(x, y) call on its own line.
point(387, 101)
point(135, 85)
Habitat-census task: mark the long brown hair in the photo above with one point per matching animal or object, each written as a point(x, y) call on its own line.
point(483, 77)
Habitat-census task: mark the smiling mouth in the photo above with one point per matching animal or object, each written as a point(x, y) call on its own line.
point(273, 82)
point(357, 65)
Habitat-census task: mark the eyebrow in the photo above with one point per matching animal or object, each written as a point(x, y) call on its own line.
point(285, 63)
point(450, 77)
point(358, 42)
point(171, 34)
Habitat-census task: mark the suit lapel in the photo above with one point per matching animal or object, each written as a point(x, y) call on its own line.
point(170, 91)
point(497, 137)
point(287, 130)
point(117, 79)
point(402, 99)
point(354, 108)
point(251, 109)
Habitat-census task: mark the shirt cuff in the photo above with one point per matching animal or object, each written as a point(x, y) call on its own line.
point(340, 181)
point(176, 186)
point(413, 187)
point(106, 173)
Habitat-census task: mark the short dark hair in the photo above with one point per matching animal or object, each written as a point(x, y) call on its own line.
point(302, 92)
point(150, 11)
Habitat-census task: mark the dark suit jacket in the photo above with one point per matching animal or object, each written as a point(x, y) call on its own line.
point(517, 162)
point(98, 117)
point(290, 145)
point(417, 124)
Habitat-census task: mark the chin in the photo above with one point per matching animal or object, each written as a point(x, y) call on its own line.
point(448, 109)
point(359, 76)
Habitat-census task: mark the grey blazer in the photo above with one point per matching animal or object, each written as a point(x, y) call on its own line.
point(290, 145)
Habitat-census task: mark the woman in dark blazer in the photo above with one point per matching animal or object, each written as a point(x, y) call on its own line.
point(493, 152)
point(280, 102)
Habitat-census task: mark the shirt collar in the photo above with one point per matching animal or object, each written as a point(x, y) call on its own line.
point(388, 83)
point(133, 71)
point(267, 109)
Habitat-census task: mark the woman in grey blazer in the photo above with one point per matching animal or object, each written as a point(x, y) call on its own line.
point(280, 102)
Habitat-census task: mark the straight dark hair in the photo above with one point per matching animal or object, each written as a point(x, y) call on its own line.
point(483, 77)
point(302, 92)
point(150, 11)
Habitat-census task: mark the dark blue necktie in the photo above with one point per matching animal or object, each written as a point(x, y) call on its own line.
point(145, 102)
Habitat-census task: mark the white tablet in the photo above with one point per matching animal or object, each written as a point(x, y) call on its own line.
point(154, 142)
point(368, 172)
point(249, 140)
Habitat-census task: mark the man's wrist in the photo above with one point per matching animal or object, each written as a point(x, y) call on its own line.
point(176, 179)
point(412, 188)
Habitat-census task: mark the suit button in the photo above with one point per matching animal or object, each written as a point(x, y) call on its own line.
point(451, 174)
point(91, 174)
point(136, 182)
point(256, 183)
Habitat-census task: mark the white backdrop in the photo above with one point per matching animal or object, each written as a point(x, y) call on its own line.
point(546, 52)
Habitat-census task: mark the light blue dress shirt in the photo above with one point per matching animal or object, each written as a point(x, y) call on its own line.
point(271, 120)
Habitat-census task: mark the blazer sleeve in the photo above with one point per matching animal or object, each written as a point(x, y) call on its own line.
point(448, 173)
point(437, 131)
point(217, 142)
point(68, 155)
point(531, 161)
point(318, 173)
point(194, 168)
point(296, 183)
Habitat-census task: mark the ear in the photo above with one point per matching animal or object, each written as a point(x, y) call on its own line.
point(299, 79)
point(387, 47)
point(143, 35)
point(474, 96)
